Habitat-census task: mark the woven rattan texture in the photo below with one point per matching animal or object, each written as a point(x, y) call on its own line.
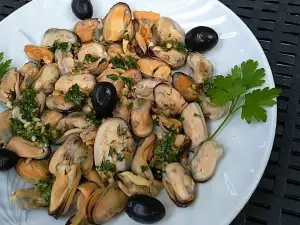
point(276, 24)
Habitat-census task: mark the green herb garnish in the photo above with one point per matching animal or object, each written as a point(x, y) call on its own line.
point(45, 188)
point(126, 37)
point(120, 157)
point(63, 46)
point(124, 63)
point(29, 108)
point(4, 65)
point(78, 67)
point(181, 119)
point(155, 122)
point(42, 134)
point(93, 119)
point(111, 151)
point(76, 96)
point(128, 81)
point(106, 166)
point(113, 77)
point(144, 168)
point(165, 151)
point(90, 59)
point(198, 100)
point(130, 105)
point(235, 87)
point(174, 44)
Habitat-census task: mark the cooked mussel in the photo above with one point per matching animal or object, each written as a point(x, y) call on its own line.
point(8, 159)
point(116, 22)
point(58, 103)
point(167, 29)
point(85, 29)
point(144, 88)
point(156, 69)
point(185, 85)
point(179, 184)
point(53, 35)
point(194, 124)
point(142, 156)
point(168, 99)
point(29, 199)
point(51, 117)
point(132, 184)
point(33, 170)
point(29, 72)
point(201, 39)
point(64, 188)
point(141, 120)
point(27, 149)
point(200, 67)
point(39, 54)
point(46, 78)
point(9, 87)
point(5, 127)
point(145, 209)
point(204, 163)
point(174, 58)
point(104, 206)
point(86, 83)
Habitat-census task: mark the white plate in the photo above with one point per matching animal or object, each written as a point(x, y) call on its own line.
point(247, 146)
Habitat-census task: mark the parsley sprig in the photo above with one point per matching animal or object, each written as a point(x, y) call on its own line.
point(45, 188)
point(236, 86)
point(76, 96)
point(125, 63)
point(4, 65)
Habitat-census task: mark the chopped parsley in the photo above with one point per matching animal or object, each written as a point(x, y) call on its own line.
point(78, 67)
point(90, 59)
point(106, 166)
point(130, 105)
point(181, 119)
point(120, 157)
point(156, 122)
point(93, 119)
point(76, 96)
point(63, 46)
point(31, 131)
point(197, 115)
point(126, 36)
point(128, 81)
point(45, 188)
point(144, 168)
point(113, 77)
point(174, 44)
point(127, 62)
point(29, 108)
point(111, 151)
point(165, 151)
point(198, 100)
point(4, 65)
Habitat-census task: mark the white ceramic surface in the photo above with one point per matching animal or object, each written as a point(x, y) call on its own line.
point(247, 146)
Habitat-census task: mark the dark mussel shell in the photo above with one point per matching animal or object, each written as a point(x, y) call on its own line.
point(104, 99)
point(82, 9)
point(201, 39)
point(8, 159)
point(145, 209)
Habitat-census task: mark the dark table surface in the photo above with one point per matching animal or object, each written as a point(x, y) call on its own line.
point(276, 24)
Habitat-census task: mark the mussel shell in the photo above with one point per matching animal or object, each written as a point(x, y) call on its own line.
point(145, 209)
point(82, 9)
point(201, 39)
point(8, 159)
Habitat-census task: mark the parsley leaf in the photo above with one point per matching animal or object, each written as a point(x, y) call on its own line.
point(173, 44)
point(4, 65)
point(106, 166)
point(45, 188)
point(254, 102)
point(29, 108)
point(90, 59)
point(111, 151)
point(128, 81)
point(59, 46)
point(144, 168)
point(113, 77)
point(93, 119)
point(124, 63)
point(76, 96)
point(235, 87)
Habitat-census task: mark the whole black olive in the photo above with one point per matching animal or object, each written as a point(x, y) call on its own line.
point(201, 39)
point(145, 209)
point(8, 159)
point(104, 98)
point(82, 9)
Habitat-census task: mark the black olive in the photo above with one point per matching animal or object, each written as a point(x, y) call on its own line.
point(8, 159)
point(82, 9)
point(145, 209)
point(201, 39)
point(104, 98)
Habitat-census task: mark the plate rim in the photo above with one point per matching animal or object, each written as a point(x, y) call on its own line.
point(271, 136)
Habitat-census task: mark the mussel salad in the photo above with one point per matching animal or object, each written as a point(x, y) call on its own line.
point(124, 124)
